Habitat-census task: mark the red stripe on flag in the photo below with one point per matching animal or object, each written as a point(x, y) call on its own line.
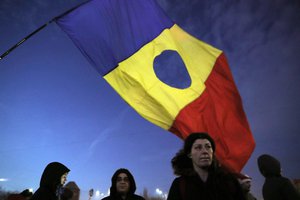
point(219, 112)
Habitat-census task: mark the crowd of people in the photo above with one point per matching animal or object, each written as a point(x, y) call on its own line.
point(199, 177)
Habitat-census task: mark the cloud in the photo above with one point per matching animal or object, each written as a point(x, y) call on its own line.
point(109, 132)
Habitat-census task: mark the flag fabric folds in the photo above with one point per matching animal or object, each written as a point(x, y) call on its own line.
point(122, 38)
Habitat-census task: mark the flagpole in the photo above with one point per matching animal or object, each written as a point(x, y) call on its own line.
point(23, 40)
point(36, 31)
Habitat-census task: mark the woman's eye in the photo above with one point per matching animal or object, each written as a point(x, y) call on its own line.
point(208, 147)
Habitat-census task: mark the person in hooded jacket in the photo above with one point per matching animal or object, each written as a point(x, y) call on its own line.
point(276, 187)
point(52, 180)
point(123, 186)
point(200, 175)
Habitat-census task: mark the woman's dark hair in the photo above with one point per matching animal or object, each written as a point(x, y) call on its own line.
point(189, 141)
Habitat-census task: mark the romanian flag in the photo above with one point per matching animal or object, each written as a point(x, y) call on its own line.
point(122, 38)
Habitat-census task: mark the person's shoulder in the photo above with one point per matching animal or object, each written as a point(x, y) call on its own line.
point(107, 198)
point(43, 194)
point(138, 197)
point(286, 181)
point(278, 180)
point(177, 180)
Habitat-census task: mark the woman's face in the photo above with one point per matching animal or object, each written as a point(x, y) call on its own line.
point(201, 153)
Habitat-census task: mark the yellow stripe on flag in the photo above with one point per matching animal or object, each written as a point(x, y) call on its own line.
point(135, 80)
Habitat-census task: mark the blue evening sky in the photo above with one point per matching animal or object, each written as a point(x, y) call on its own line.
point(55, 107)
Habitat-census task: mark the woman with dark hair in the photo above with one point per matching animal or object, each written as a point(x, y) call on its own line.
point(200, 175)
point(123, 186)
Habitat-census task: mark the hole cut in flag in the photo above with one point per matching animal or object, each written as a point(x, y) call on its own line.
point(170, 69)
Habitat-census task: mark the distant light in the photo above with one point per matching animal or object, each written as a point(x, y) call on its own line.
point(161, 193)
point(165, 196)
point(3, 179)
point(97, 193)
point(158, 191)
point(30, 189)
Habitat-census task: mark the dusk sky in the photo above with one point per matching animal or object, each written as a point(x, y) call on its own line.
point(54, 106)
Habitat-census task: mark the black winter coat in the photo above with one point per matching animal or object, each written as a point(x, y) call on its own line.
point(193, 188)
point(131, 197)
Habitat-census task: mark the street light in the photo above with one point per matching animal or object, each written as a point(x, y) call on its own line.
point(158, 191)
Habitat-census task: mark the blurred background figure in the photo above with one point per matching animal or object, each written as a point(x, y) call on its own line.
point(27, 194)
point(74, 188)
point(67, 194)
point(276, 187)
point(24, 195)
point(297, 184)
point(91, 193)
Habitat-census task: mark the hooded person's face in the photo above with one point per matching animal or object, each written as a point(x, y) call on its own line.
point(63, 178)
point(122, 184)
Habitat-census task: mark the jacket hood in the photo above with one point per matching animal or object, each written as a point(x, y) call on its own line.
point(268, 166)
point(52, 175)
point(113, 188)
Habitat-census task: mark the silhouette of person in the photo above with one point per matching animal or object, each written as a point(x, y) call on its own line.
point(52, 180)
point(24, 195)
point(276, 187)
point(27, 194)
point(67, 194)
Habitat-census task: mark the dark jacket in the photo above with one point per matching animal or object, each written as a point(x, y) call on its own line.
point(130, 197)
point(50, 182)
point(220, 187)
point(220, 184)
point(113, 189)
point(275, 186)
